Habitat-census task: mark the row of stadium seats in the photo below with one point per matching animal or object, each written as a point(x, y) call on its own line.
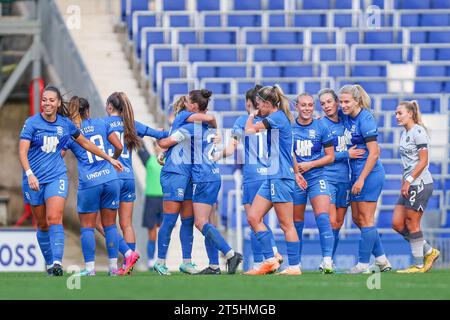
point(277, 19)
point(129, 6)
point(294, 85)
point(295, 36)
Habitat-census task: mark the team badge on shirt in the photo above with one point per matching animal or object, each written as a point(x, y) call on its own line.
point(312, 134)
point(59, 130)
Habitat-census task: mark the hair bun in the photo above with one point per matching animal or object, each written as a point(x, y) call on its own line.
point(205, 93)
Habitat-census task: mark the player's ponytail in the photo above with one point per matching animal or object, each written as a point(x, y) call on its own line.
point(122, 105)
point(274, 95)
point(201, 97)
point(74, 111)
point(179, 105)
point(358, 93)
point(413, 107)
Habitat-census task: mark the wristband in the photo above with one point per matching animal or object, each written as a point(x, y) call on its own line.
point(410, 179)
point(29, 172)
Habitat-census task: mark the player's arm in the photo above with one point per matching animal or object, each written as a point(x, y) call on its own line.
point(252, 128)
point(228, 151)
point(372, 158)
point(174, 139)
point(417, 171)
point(202, 117)
point(24, 146)
point(92, 148)
point(325, 160)
point(115, 141)
point(301, 181)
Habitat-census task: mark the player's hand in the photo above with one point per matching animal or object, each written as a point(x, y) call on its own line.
point(33, 182)
point(301, 182)
point(217, 156)
point(217, 138)
point(116, 164)
point(405, 189)
point(358, 186)
point(354, 153)
point(304, 167)
point(160, 158)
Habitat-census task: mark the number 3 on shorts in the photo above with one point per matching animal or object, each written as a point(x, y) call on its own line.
point(62, 185)
point(323, 185)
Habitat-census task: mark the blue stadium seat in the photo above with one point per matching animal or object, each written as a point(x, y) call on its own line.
point(142, 20)
point(428, 86)
point(323, 37)
point(229, 120)
point(368, 71)
point(212, 20)
point(342, 20)
point(380, 37)
point(285, 37)
point(207, 5)
point(253, 37)
point(276, 5)
point(123, 10)
point(386, 153)
point(374, 87)
point(393, 168)
point(337, 71)
point(130, 7)
point(389, 104)
point(220, 37)
point(343, 4)
point(222, 104)
point(415, 4)
point(277, 19)
point(435, 168)
point(384, 219)
point(247, 5)
point(389, 199)
point(351, 37)
point(386, 137)
point(316, 5)
point(180, 20)
point(298, 71)
point(438, 36)
point(409, 20)
point(440, 4)
point(247, 20)
point(205, 54)
point(188, 37)
point(434, 20)
point(310, 20)
point(218, 87)
point(392, 184)
point(173, 5)
point(432, 70)
point(328, 54)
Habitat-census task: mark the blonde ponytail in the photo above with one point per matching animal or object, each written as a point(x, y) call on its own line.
point(274, 94)
point(179, 105)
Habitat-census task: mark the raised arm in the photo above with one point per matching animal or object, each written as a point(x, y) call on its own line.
point(203, 117)
point(251, 128)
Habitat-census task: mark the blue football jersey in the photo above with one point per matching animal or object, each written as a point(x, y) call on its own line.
point(339, 170)
point(255, 148)
point(92, 170)
point(279, 142)
point(204, 169)
point(178, 158)
point(309, 141)
point(47, 139)
point(115, 123)
point(358, 131)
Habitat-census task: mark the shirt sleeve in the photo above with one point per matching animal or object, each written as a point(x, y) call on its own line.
point(237, 131)
point(73, 130)
point(421, 138)
point(327, 138)
point(270, 122)
point(27, 130)
point(146, 131)
point(369, 129)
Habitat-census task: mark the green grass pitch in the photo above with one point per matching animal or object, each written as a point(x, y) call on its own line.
point(144, 285)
